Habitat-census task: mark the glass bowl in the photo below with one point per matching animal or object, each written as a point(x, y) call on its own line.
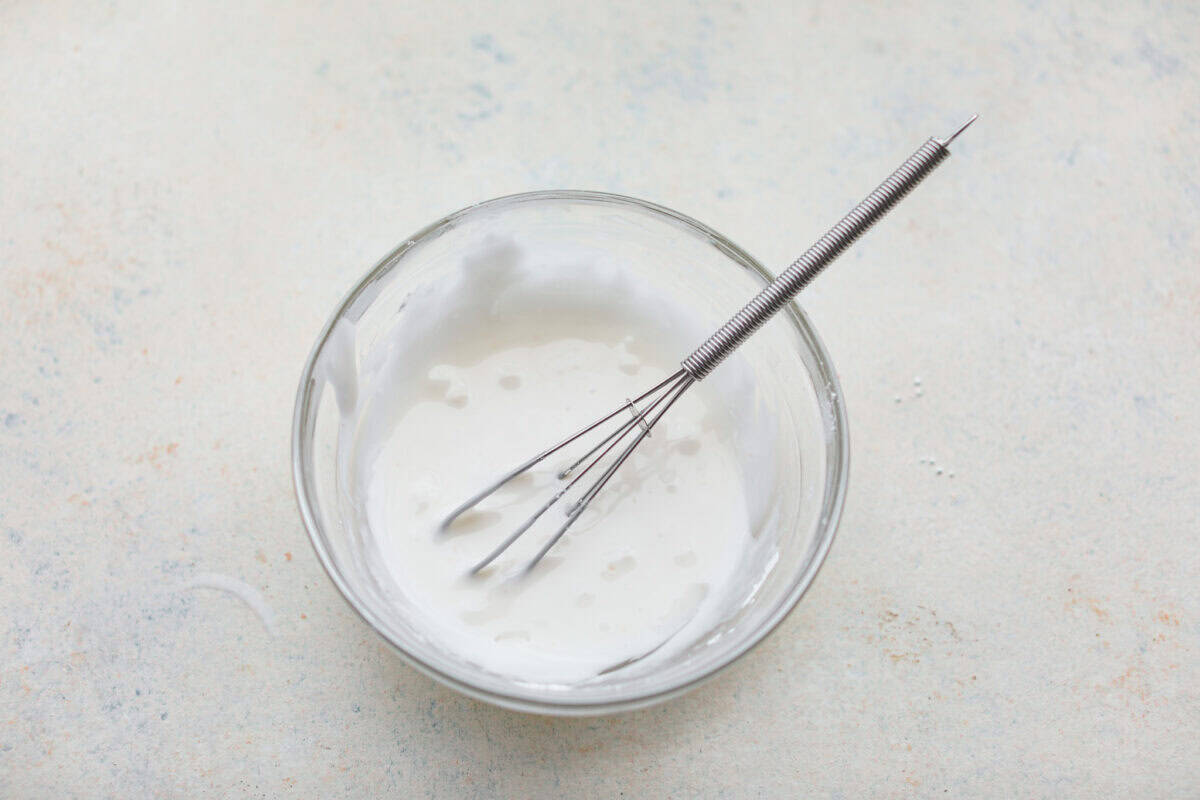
point(793, 378)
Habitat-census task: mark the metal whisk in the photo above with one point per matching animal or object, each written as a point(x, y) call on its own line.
point(648, 408)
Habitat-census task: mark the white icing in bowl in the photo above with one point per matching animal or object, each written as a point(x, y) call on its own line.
point(490, 335)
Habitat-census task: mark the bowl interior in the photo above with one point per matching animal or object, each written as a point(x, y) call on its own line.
point(792, 381)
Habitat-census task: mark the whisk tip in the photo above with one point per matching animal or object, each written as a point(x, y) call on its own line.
point(946, 142)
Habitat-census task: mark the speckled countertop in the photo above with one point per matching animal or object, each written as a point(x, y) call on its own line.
point(185, 193)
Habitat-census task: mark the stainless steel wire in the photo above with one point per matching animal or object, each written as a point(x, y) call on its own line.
point(780, 291)
point(708, 355)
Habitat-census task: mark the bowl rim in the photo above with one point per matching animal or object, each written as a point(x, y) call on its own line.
point(837, 449)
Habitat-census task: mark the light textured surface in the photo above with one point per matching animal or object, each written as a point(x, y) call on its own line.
point(185, 194)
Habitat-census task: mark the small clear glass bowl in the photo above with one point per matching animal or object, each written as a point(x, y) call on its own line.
point(698, 267)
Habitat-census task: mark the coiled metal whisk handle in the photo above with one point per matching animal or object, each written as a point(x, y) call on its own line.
point(780, 291)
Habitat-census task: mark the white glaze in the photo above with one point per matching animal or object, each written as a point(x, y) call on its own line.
point(239, 589)
point(479, 373)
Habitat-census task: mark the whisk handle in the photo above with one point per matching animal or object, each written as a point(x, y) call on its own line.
point(780, 291)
